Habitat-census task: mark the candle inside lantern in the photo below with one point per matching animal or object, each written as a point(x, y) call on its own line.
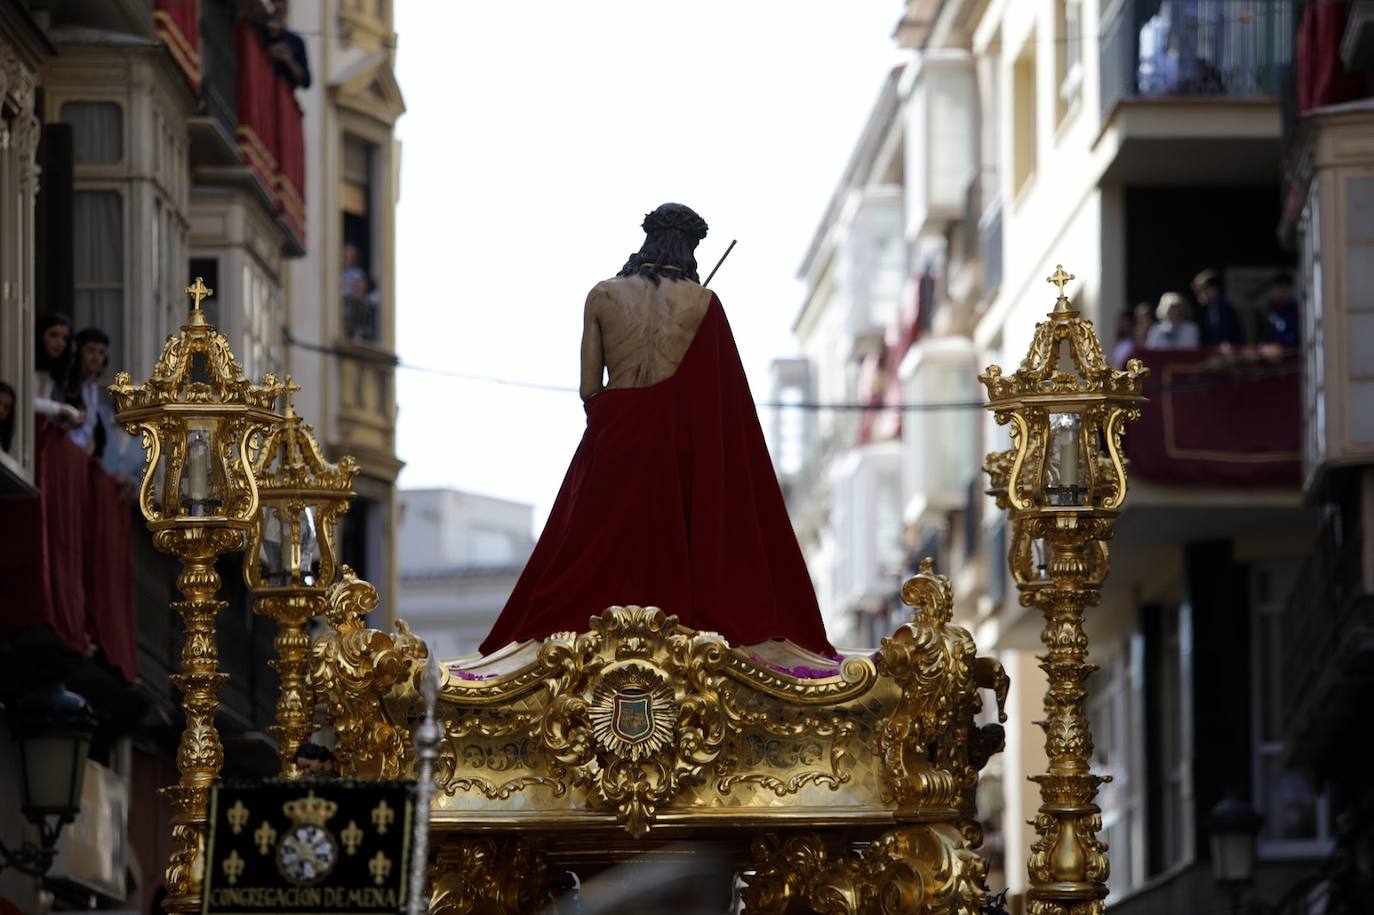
point(198, 471)
point(1063, 459)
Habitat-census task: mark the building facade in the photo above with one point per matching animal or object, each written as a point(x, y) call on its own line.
point(460, 555)
point(145, 143)
point(1117, 139)
point(340, 337)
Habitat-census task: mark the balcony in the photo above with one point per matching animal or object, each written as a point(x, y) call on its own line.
point(1219, 420)
point(1190, 90)
point(87, 598)
point(215, 123)
point(1328, 633)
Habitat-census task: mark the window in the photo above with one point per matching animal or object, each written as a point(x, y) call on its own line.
point(358, 273)
point(259, 350)
point(1116, 713)
point(97, 132)
point(98, 266)
point(1313, 334)
point(1024, 138)
point(1296, 814)
point(1068, 56)
point(1176, 727)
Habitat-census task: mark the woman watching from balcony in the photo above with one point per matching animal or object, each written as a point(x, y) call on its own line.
point(1175, 329)
point(52, 360)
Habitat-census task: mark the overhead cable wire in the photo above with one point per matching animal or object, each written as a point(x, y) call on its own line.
point(1150, 389)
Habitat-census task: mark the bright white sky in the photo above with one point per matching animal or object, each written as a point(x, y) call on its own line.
point(536, 136)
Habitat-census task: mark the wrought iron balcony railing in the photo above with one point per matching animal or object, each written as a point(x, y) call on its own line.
point(1328, 603)
point(362, 320)
point(1235, 49)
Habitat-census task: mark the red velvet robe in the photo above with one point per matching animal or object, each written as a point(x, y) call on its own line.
point(671, 501)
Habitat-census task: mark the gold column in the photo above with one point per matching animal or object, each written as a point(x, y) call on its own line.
point(200, 755)
point(200, 421)
point(295, 698)
point(1063, 483)
point(290, 561)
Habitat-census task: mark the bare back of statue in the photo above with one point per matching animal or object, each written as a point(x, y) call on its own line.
point(637, 331)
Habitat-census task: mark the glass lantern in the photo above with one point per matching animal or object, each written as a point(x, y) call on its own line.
point(199, 418)
point(1067, 409)
point(292, 547)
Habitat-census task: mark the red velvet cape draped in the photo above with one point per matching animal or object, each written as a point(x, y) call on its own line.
point(671, 501)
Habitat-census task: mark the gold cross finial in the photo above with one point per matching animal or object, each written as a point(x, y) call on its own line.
point(199, 291)
point(1060, 278)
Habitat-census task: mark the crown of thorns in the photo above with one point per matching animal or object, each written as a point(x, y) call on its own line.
point(681, 220)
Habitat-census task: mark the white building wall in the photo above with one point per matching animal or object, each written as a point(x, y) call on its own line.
point(460, 555)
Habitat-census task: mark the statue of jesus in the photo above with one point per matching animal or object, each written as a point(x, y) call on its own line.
point(671, 500)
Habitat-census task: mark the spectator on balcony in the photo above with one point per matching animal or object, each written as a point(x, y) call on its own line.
point(286, 49)
point(52, 361)
point(1132, 332)
point(1220, 324)
point(1125, 338)
point(1281, 325)
point(352, 276)
point(1177, 47)
point(1175, 329)
point(6, 415)
point(86, 392)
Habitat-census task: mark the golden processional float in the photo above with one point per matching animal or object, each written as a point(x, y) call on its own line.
point(842, 790)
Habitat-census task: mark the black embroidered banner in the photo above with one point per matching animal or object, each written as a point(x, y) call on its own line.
point(323, 847)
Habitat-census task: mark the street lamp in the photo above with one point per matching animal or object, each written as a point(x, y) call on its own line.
point(202, 424)
point(1233, 825)
point(1063, 482)
point(291, 558)
point(54, 729)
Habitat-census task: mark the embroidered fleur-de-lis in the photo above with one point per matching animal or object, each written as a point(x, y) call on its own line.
point(238, 817)
point(380, 868)
point(265, 837)
point(233, 867)
point(382, 817)
point(352, 837)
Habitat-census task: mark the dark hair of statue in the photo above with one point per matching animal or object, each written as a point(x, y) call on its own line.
point(671, 234)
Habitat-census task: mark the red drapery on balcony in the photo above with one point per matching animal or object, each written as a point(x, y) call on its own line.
point(290, 153)
point(257, 105)
point(67, 563)
point(178, 25)
point(1218, 421)
point(1322, 77)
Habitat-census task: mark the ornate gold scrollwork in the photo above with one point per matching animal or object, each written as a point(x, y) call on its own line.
point(920, 868)
point(473, 876)
point(610, 736)
point(930, 742)
point(355, 670)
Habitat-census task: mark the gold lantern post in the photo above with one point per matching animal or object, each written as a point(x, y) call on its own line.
point(1063, 483)
point(201, 422)
point(291, 559)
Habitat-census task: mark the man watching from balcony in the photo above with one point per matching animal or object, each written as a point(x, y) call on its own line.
point(1220, 325)
point(1175, 329)
point(287, 49)
point(1283, 317)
